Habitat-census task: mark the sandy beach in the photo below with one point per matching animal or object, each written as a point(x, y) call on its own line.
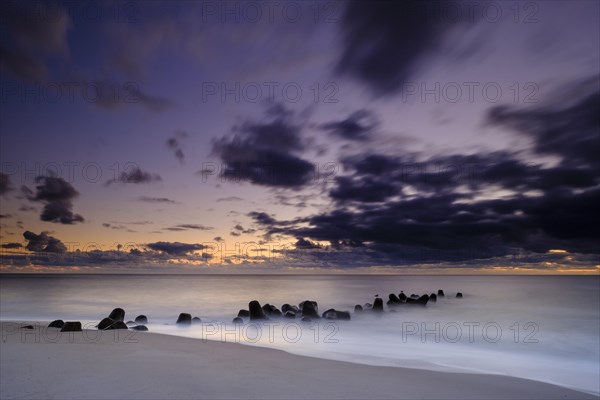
point(44, 363)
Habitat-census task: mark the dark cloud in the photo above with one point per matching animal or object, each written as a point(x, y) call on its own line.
point(5, 216)
point(12, 245)
point(358, 126)
point(21, 65)
point(32, 38)
point(363, 190)
point(44, 243)
point(218, 239)
point(240, 229)
point(57, 196)
point(136, 176)
point(231, 198)
point(569, 130)
point(175, 248)
point(460, 207)
point(263, 152)
point(4, 183)
point(234, 233)
point(262, 218)
point(173, 143)
point(184, 227)
point(306, 244)
point(117, 227)
point(384, 41)
point(157, 200)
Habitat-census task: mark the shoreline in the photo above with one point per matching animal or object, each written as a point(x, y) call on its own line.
point(150, 365)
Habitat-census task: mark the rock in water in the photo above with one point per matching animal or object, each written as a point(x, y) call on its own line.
point(184, 319)
point(196, 320)
point(433, 297)
point(56, 323)
point(459, 295)
point(108, 324)
point(238, 320)
point(290, 314)
point(421, 300)
point(256, 312)
point(141, 328)
point(119, 325)
point(334, 314)
point(358, 308)
point(393, 300)
point(130, 323)
point(118, 314)
point(28, 327)
point(141, 319)
point(71, 326)
point(105, 323)
point(286, 307)
point(243, 313)
point(402, 296)
point(440, 293)
point(309, 309)
point(378, 305)
point(276, 313)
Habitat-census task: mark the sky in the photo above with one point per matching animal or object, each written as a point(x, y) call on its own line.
point(300, 137)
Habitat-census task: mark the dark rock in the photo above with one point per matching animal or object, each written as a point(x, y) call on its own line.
point(29, 327)
point(459, 295)
point(71, 326)
point(414, 296)
point(368, 306)
point(393, 300)
point(433, 297)
point(118, 314)
point(310, 309)
point(243, 313)
point(108, 324)
point(141, 328)
point(421, 300)
point(440, 293)
point(184, 319)
point(141, 319)
point(267, 309)
point(334, 314)
point(238, 320)
point(402, 296)
point(56, 323)
point(290, 314)
point(256, 311)
point(287, 307)
point(105, 323)
point(378, 305)
point(306, 319)
point(196, 320)
point(358, 308)
point(276, 313)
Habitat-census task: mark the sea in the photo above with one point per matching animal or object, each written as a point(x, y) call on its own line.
point(545, 328)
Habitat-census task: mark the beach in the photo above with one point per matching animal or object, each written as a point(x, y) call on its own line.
point(45, 363)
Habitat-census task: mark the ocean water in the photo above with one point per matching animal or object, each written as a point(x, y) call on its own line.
point(545, 328)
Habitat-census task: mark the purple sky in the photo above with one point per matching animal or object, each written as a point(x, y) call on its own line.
point(300, 137)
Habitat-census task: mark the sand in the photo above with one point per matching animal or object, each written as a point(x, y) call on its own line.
point(43, 363)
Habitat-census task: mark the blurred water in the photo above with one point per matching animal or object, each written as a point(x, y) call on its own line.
point(545, 328)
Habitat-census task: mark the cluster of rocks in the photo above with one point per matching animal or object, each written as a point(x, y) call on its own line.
point(113, 321)
point(309, 310)
point(306, 311)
